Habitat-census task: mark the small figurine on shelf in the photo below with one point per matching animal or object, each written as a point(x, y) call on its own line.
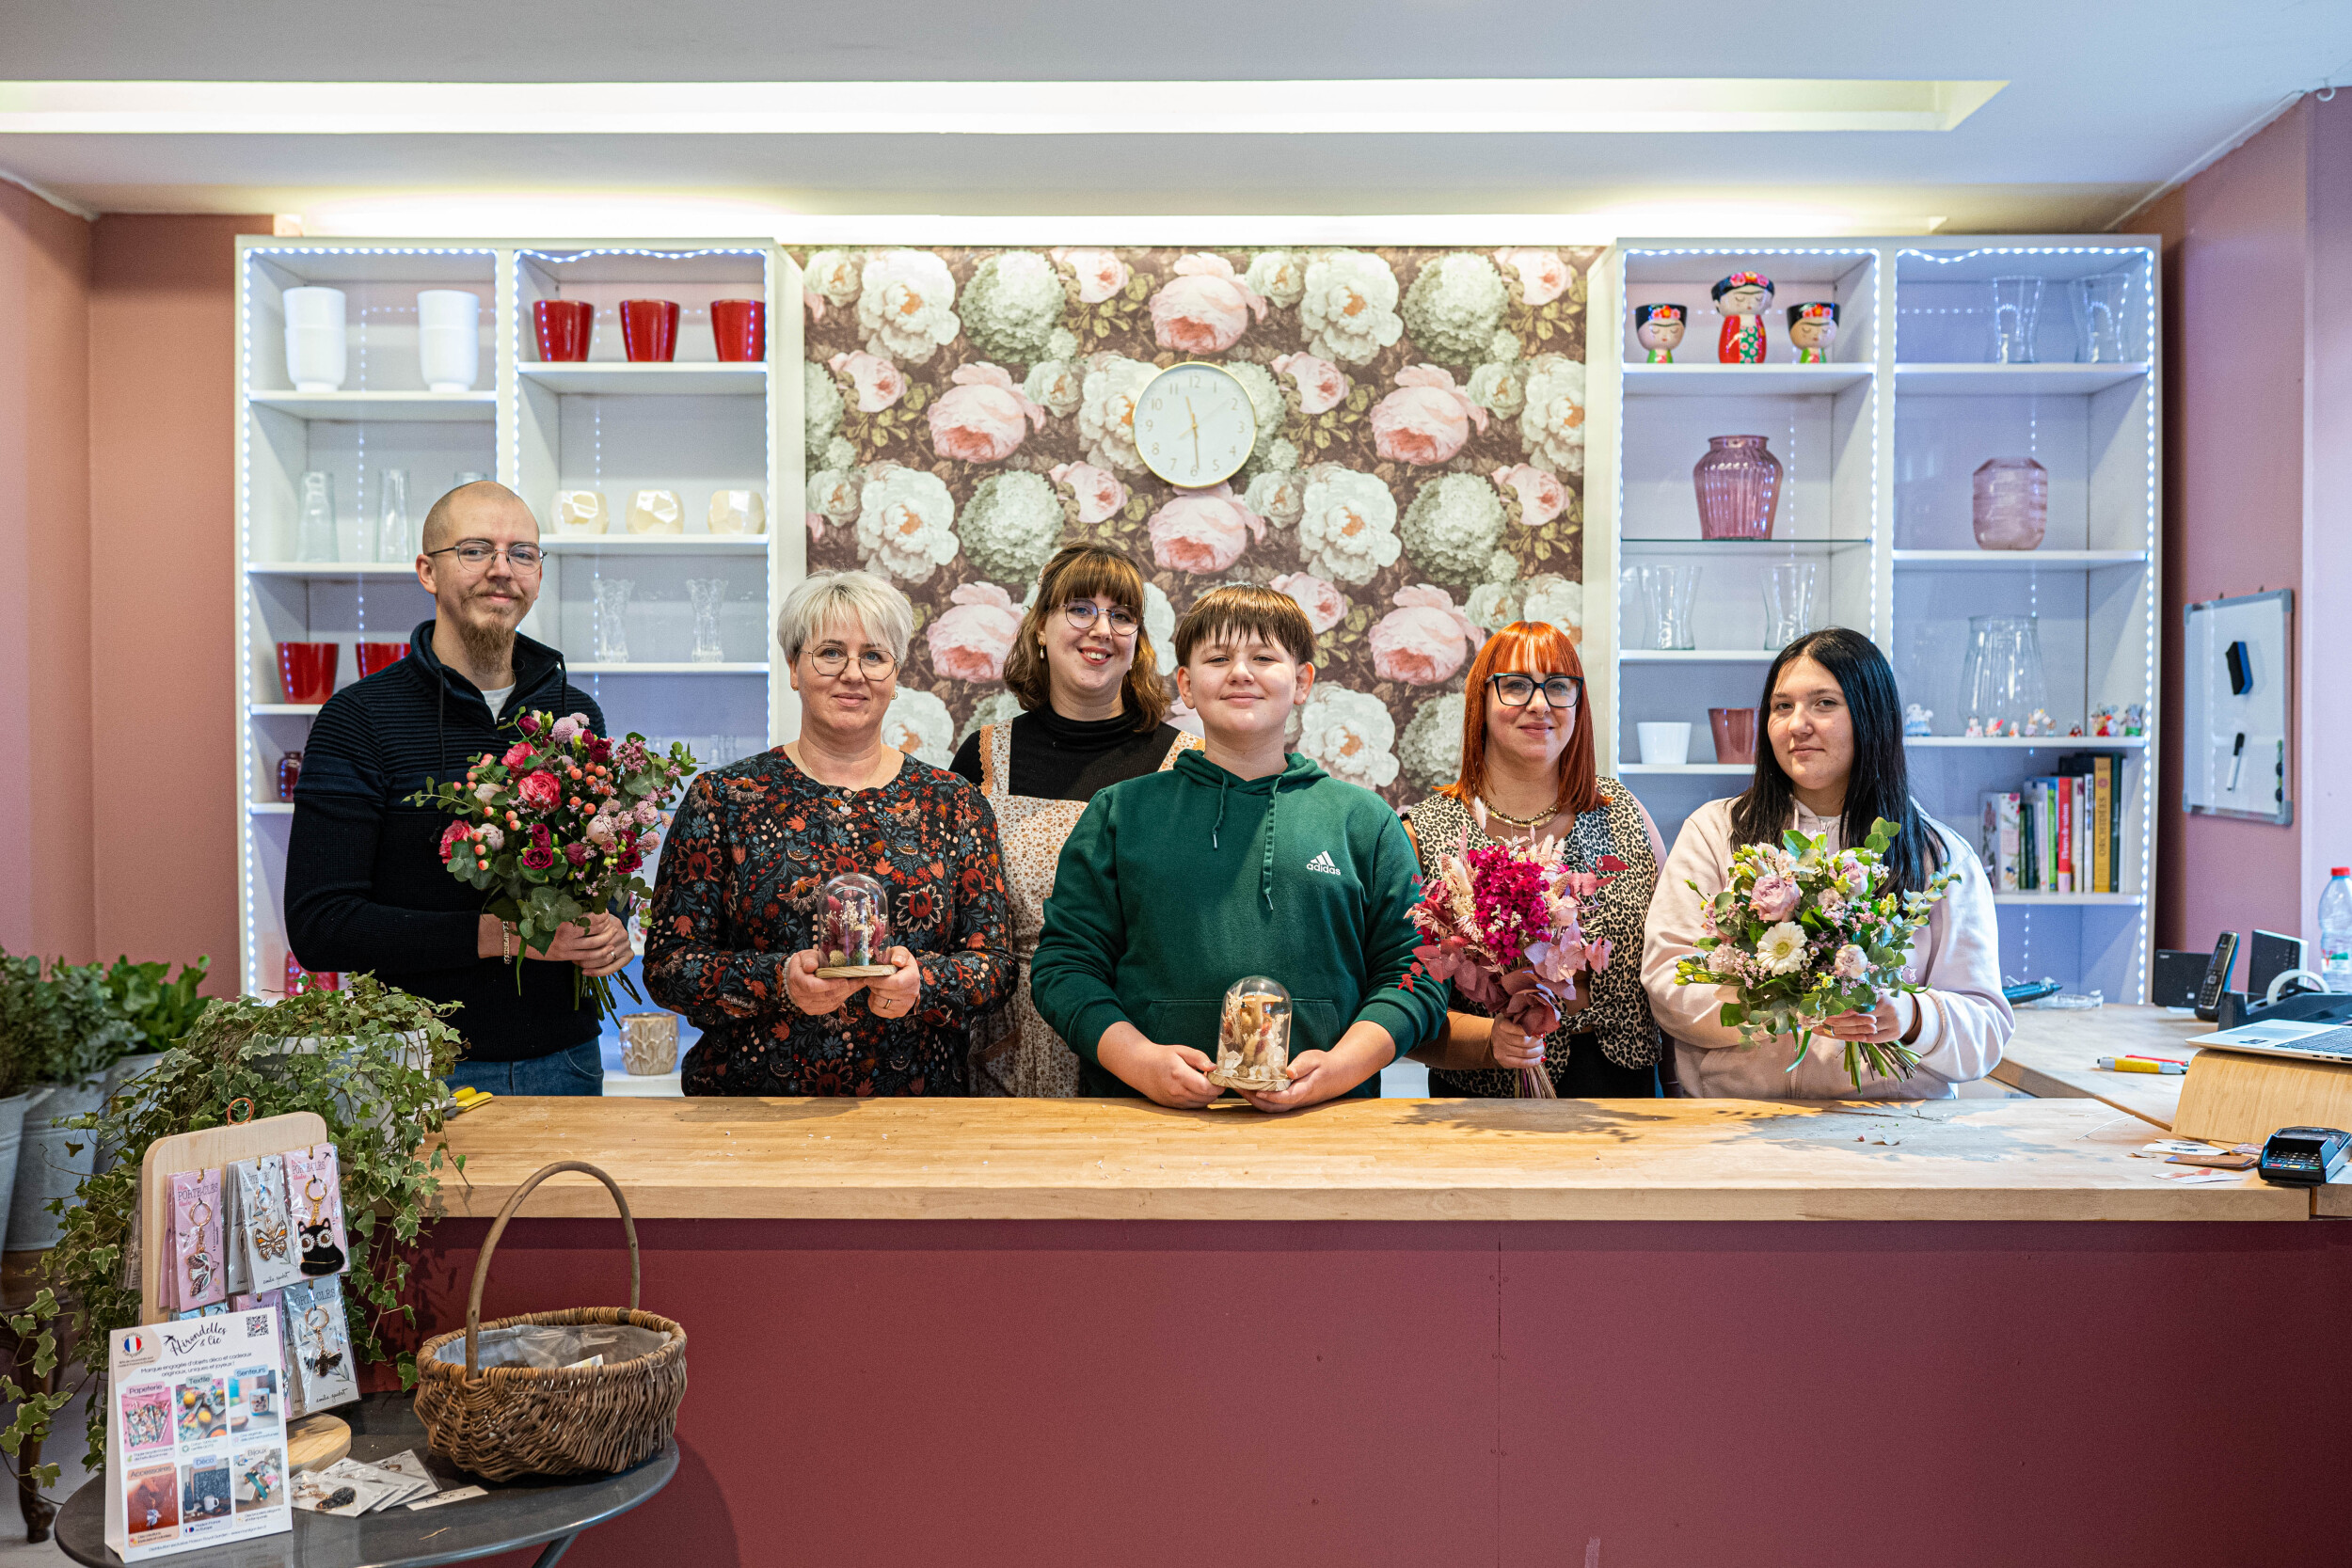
point(1743, 297)
point(1917, 720)
point(2040, 722)
point(1253, 1036)
point(2136, 720)
point(1976, 729)
point(2106, 720)
point(2077, 731)
point(1812, 329)
point(1660, 328)
point(854, 930)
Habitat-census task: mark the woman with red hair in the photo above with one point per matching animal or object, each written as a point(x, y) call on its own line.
point(1527, 773)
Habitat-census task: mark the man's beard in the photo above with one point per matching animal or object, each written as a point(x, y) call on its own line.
point(488, 643)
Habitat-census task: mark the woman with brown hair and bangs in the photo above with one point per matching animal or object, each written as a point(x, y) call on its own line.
point(1528, 773)
point(1094, 711)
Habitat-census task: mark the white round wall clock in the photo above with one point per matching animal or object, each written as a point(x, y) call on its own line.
point(1194, 425)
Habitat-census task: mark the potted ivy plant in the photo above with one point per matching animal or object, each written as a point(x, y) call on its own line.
point(69, 1031)
point(382, 1098)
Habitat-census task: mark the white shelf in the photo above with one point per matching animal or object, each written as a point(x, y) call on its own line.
point(406, 407)
point(1698, 656)
point(1737, 547)
point(269, 808)
point(2032, 743)
point(621, 378)
point(2110, 900)
point(283, 710)
point(634, 668)
point(330, 569)
point(654, 543)
point(2011, 380)
point(1721, 380)
point(1711, 769)
point(2018, 561)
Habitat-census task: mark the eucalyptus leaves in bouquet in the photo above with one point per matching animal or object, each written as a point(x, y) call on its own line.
point(370, 1060)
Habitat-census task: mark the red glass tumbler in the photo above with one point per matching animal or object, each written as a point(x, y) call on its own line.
point(289, 774)
point(371, 656)
point(739, 328)
point(563, 327)
point(649, 329)
point(1735, 734)
point(307, 670)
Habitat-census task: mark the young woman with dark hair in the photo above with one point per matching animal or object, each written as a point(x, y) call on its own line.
point(1834, 765)
point(1528, 772)
point(1095, 711)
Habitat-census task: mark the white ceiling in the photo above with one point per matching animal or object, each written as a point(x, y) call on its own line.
point(2105, 104)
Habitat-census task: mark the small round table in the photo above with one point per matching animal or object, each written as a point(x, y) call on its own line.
point(517, 1514)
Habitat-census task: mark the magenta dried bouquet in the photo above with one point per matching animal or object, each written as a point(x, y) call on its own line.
point(1506, 925)
point(558, 827)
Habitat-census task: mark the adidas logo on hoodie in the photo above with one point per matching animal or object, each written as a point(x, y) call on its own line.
point(1323, 862)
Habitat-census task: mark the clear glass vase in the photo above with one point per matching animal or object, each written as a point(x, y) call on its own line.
point(2011, 503)
point(315, 531)
point(1667, 592)
point(2003, 677)
point(613, 619)
point(1792, 601)
point(1738, 488)
point(706, 595)
point(2016, 310)
point(2099, 317)
point(395, 537)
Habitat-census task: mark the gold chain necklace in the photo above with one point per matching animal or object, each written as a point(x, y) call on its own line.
point(1525, 824)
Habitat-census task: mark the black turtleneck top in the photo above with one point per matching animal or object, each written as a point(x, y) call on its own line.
point(1070, 759)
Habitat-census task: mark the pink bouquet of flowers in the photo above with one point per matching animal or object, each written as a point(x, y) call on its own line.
point(558, 827)
point(1506, 925)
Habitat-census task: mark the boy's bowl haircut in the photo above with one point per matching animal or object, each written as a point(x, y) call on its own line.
point(1242, 611)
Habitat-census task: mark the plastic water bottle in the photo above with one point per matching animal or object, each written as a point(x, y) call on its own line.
point(2335, 929)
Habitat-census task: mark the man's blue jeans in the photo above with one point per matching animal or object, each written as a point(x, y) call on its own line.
point(579, 1070)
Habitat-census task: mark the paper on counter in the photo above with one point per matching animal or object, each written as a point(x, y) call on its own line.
point(2198, 1176)
point(455, 1495)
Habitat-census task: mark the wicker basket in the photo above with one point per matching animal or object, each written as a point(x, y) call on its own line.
point(506, 1421)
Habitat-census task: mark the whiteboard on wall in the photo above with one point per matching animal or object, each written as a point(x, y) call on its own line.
point(2234, 759)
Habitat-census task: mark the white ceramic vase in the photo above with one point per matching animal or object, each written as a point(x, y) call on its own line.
point(448, 339)
point(317, 341)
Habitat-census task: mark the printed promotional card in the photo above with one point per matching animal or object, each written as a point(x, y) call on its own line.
point(196, 1440)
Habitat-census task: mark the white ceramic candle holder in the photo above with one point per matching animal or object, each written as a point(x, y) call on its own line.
point(448, 339)
point(318, 345)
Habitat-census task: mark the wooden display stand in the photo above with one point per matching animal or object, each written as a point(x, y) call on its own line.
point(316, 1440)
point(2230, 1097)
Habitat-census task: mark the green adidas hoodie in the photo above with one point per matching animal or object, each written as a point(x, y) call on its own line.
point(1176, 884)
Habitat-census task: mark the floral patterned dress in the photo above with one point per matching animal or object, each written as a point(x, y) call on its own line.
point(736, 897)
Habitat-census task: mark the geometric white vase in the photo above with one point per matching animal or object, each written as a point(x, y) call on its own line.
point(448, 339)
point(317, 344)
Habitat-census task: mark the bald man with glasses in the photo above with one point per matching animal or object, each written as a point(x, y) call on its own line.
point(365, 886)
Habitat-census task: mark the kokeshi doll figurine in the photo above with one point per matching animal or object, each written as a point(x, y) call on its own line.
point(1658, 329)
point(1812, 329)
point(1743, 297)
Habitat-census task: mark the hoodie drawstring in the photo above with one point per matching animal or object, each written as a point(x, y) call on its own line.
point(1265, 866)
point(1217, 826)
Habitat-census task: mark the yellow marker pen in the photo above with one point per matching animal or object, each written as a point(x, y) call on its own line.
point(2138, 1063)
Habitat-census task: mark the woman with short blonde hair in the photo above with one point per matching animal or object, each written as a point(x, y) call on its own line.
point(1095, 710)
point(731, 937)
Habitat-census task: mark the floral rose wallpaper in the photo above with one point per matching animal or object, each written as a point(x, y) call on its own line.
point(1417, 478)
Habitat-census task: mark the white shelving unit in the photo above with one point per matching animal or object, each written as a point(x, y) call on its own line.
point(693, 426)
point(1878, 448)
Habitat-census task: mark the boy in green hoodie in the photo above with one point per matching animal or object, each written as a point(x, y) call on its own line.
point(1241, 859)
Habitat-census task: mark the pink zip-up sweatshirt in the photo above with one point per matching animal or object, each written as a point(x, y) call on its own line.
point(1965, 1023)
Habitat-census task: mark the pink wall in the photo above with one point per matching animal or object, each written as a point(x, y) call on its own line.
point(2236, 277)
point(46, 904)
point(117, 501)
point(2326, 628)
point(162, 521)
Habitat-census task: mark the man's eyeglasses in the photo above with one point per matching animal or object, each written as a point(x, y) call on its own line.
point(1517, 690)
point(476, 554)
point(873, 663)
point(1081, 615)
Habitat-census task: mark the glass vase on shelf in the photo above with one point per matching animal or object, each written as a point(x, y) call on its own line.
point(395, 540)
point(1667, 590)
point(2007, 694)
point(2016, 309)
point(2011, 503)
point(2099, 318)
point(1738, 488)
point(706, 595)
point(1792, 601)
point(613, 619)
point(315, 531)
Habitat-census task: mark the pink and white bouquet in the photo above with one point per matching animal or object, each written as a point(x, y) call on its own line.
point(1506, 925)
point(1802, 934)
point(558, 826)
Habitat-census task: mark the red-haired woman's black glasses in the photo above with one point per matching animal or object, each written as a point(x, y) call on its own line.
point(1513, 690)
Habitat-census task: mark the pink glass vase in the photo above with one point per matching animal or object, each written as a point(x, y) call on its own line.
point(1738, 487)
point(2013, 503)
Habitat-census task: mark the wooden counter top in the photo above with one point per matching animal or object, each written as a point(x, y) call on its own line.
point(1353, 1159)
point(2054, 1055)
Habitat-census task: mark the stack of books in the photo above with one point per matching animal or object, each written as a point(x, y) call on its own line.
point(2062, 832)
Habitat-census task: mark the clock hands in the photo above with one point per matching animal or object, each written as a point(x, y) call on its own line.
point(1196, 432)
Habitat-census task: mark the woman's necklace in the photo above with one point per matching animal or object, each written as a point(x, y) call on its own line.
point(1524, 824)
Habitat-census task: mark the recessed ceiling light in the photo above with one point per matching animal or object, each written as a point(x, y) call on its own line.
point(1508, 106)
